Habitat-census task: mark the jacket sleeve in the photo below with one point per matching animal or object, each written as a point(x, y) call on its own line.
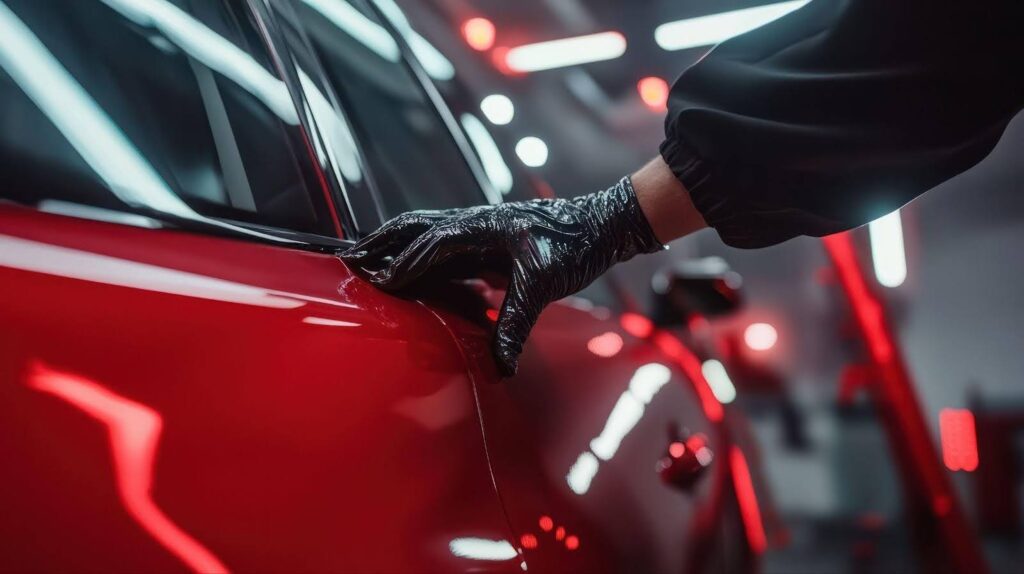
point(840, 112)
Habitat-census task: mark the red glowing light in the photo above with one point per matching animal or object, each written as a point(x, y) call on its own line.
point(134, 432)
point(572, 543)
point(636, 325)
point(691, 366)
point(676, 449)
point(760, 336)
point(959, 439)
point(747, 498)
point(546, 523)
point(654, 92)
point(479, 33)
point(606, 345)
point(529, 541)
point(559, 533)
point(492, 314)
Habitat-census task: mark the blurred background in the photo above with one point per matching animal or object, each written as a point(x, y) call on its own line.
point(573, 97)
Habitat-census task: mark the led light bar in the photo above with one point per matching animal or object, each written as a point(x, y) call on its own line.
point(887, 251)
point(566, 52)
point(715, 28)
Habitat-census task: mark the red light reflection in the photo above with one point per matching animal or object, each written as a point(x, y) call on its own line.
point(134, 432)
point(606, 345)
point(676, 449)
point(529, 541)
point(492, 314)
point(636, 325)
point(959, 439)
point(559, 533)
point(546, 523)
point(749, 509)
point(692, 368)
point(572, 543)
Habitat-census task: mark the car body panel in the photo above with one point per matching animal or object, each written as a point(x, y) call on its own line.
point(304, 420)
point(575, 439)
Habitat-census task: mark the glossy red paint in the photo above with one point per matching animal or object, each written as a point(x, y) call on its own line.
point(942, 530)
point(134, 431)
point(307, 421)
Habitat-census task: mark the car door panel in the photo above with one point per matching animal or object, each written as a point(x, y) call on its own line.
point(169, 397)
point(575, 439)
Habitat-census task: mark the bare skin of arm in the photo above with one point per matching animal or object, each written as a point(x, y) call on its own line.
point(665, 202)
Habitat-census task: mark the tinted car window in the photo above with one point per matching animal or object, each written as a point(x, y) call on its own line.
point(166, 105)
point(411, 153)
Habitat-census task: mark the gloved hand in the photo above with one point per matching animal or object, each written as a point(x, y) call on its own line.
point(548, 249)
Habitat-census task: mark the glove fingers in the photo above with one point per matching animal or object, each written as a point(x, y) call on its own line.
point(425, 252)
point(518, 314)
point(393, 236)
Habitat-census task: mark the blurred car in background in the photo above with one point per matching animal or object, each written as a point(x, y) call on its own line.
point(190, 378)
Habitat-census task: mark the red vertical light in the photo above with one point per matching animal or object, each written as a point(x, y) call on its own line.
point(636, 324)
point(479, 33)
point(749, 509)
point(691, 366)
point(654, 93)
point(959, 439)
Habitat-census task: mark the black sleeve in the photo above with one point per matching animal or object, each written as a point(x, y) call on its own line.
point(842, 111)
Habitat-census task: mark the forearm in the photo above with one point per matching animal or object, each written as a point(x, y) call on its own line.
point(665, 202)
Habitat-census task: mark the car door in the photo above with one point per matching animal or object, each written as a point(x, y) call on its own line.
point(576, 439)
point(189, 379)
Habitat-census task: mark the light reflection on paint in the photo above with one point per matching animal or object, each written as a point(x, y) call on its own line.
point(749, 508)
point(627, 412)
point(607, 345)
point(134, 432)
point(482, 549)
point(959, 439)
point(717, 377)
point(329, 322)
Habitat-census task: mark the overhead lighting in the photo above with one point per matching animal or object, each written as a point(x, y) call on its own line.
point(498, 109)
point(715, 28)
point(532, 151)
point(479, 33)
point(887, 251)
point(760, 336)
point(566, 52)
point(582, 472)
point(494, 165)
point(653, 92)
point(717, 377)
point(959, 439)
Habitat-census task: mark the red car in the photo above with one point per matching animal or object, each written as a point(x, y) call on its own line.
point(190, 379)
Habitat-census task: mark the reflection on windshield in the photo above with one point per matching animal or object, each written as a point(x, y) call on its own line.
point(494, 165)
point(341, 146)
point(433, 61)
point(85, 125)
point(212, 49)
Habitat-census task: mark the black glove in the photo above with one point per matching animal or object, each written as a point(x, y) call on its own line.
point(548, 248)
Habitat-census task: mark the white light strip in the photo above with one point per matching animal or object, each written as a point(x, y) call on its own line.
point(715, 28)
point(887, 251)
point(359, 27)
point(566, 52)
point(81, 120)
point(494, 165)
point(627, 412)
point(718, 379)
point(482, 549)
point(213, 50)
point(341, 146)
point(433, 61)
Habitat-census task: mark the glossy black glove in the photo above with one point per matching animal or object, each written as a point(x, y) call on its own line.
point(548, 249)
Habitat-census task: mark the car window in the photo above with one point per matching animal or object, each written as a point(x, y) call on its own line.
point(411, 153)
point(166, 105)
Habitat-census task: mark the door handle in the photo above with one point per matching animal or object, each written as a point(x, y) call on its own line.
point(685, 461)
